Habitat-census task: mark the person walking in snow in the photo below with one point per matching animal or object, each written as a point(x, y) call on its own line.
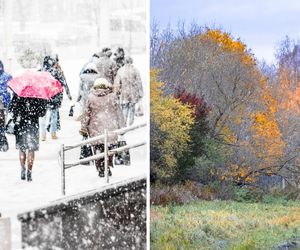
point(61, 76)
point(94, 59)
point(128, 84)
point(4, 78)
point(26, 113)
point(88, 75)
point(119, 58)
point(55, 102)
point(3, 139)
point(102, 112)
point(4, 102)
point(106, 67)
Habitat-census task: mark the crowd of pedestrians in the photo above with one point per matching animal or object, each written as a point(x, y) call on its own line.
point(109, 89)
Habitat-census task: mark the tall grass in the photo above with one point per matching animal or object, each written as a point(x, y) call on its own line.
point(224, 225)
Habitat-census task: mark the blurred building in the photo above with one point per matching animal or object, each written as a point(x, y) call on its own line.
point(72, 24)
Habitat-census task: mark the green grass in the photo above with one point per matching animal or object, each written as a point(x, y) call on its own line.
point(224, 225)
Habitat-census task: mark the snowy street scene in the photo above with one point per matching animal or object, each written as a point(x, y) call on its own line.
point(85, 65)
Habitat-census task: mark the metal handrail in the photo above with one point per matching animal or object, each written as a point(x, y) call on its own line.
point(101, 155)
point(104, 155)
point(101, 137)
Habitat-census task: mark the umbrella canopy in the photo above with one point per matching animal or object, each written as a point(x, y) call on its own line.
point(35, 84)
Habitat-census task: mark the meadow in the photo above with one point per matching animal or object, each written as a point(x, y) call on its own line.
point(225, 225)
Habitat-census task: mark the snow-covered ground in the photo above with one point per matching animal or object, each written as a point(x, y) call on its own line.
point(17, 196)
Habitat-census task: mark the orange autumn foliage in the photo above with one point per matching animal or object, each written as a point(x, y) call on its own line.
point(228, 43)
point(268, 143)
point(289, 90)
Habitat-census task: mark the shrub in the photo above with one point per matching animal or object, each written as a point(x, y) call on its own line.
point(248, 195)
point(166, 195)
point(189, 191)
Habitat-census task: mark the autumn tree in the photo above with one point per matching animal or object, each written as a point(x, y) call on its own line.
point(199, 149)
point(287, 92)
point(171, 121)
point(254, 109)
point(213, 65)
point(265, 143)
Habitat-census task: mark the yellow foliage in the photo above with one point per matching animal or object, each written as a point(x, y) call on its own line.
point(239, 172)
point(289, 94)
point(173, 119)
point(228, 135)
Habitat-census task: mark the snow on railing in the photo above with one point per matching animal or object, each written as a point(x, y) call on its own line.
point(104, 155)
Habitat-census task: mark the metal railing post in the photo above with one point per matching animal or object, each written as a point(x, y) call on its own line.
point(102, 155)
point(106, 156)
point(62, 163)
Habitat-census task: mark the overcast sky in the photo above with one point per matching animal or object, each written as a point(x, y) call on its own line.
point(261, 24)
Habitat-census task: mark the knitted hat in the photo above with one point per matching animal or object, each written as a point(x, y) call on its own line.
point(102, 83)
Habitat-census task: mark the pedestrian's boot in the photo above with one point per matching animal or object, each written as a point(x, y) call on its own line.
point(109, 172)
point(29, 175)
point(43, 138)
point(100, 167)
point(23, 173)
point(54, 136)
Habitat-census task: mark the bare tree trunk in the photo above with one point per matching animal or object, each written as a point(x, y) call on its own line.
point(7, 36)
point(283, 183)
point(102, 21)
point(22, 14)
point(130, 31)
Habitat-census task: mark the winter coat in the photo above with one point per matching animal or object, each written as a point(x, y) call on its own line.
point(61, 77)
point(106, 68)
point(129, 84)
point(93, 60)
point(120, 61)
point(3, 140)
point(57, 73)
point(102, 112)
point(55, 101)
point(26, 111)
point(4, 78)
point(87, 76)
point(2, 117)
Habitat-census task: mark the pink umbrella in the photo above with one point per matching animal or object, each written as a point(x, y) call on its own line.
point(35, 84)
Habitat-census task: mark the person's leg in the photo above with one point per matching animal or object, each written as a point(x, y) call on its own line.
point(22, 158)
point(125, 112)
point(43, 127)
point(48, 124)
point(30, 161)
point(110, 160)
point(99, 163)
point(131, 112)
point(53, 127)
point(58, 120)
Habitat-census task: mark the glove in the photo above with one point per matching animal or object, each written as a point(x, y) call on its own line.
point(83, 132)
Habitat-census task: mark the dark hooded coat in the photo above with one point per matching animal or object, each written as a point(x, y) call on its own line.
point(4, 78)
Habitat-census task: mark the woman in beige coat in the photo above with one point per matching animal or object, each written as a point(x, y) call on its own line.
point(102, 112)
